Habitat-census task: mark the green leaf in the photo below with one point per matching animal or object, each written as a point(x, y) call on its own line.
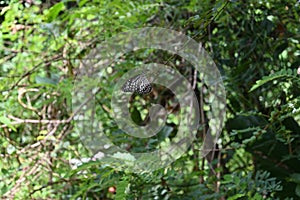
point(83, 166)
point(7, 122)
point(296, 178)
point(237, 196)
point(82, 3)
point(266, 79)
point(280, 49)
point(297, 191)
point(54, 11)
point(85, 188)
point(121, 189)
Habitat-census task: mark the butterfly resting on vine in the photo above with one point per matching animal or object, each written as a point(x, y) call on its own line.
point(137, 84)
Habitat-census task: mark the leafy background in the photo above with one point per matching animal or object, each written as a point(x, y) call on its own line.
point(255, 45)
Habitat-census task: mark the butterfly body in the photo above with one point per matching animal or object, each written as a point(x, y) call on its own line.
point(137, 84)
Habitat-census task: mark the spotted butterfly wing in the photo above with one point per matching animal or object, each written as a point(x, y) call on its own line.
point(137, 84)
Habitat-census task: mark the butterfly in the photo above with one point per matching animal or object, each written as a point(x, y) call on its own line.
point(137, 84)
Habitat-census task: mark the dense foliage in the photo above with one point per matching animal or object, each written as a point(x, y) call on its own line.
point(256, 47)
